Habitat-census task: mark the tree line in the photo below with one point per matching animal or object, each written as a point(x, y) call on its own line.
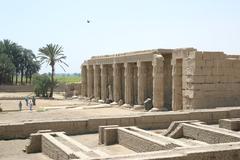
point(16, 61)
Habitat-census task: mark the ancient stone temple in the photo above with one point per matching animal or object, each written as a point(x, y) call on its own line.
point(174, 79)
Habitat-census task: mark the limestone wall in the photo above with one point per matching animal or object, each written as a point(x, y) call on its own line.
point(228, 151)
point(210, 79)
point(54, 149)
point(180, 69)
point(209, 135)
point(73, 89)
point(139, 143)
point(26, 88)
point(16, 88)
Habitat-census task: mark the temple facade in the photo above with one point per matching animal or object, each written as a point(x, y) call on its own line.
point(175, 79)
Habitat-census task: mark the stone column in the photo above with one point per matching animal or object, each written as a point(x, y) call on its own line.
point(104, 82)
point(142, 83)
point(177, 99)
point(84, 81)
point(116, 82)
point(97, 82)
point(158, 82)
point(90, 81)
point(128, 74)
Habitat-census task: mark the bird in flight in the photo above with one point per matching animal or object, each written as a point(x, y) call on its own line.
point(88, 21)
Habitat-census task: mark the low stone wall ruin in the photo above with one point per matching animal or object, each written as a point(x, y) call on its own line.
point(16, 88)
point(150, 121)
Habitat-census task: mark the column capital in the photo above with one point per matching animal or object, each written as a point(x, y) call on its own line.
point(157, 58)
point(96, 66)
point(83, 66)
point(126, 64)
point(114, 64)
point(89, 66)
point(102, 66)
point(139, 63)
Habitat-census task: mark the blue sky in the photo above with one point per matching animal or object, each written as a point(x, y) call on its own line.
point(120, 26)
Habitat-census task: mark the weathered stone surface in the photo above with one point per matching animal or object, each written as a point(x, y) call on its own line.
point(120, 102)
point(179, 79)
point(148, 104)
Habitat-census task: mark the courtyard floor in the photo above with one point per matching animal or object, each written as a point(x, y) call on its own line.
point(45, 110)
point(57, 109)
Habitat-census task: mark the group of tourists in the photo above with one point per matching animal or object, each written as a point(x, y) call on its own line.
point(29, 103)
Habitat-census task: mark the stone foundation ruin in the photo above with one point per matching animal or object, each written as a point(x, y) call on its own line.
point(189, 139)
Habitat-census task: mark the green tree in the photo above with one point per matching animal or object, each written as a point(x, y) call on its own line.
point(32, 68)
point(24, 61)
point(52, 54)
point(29, 65)
point(41, 84)
point(7, 68)
point(13, 51)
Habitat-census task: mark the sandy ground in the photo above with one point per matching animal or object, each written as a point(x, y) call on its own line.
point(62, 114)
point(57, 109)
point(12, 150)
point(19, 95)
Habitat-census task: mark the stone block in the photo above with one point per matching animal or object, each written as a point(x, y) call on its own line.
point(101, 132)
point(208, 134)
point(148, 105)
point(179, 116)
point(93, 124)
point(110, 136)
point(75, 127)
point(35, 144)
point(234, 113)
point(216, 115)
point(230, 124)
point(127, 121)
point(204, 116)
point(113, 121)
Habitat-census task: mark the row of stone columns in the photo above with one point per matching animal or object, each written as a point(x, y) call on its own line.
point(95, 82)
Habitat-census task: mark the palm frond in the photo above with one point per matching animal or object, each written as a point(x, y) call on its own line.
point(52, 54)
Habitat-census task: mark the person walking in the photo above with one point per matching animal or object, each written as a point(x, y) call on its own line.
point(26, 100)
point(20, 105)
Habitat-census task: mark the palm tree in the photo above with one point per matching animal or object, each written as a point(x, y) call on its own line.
point(13, 51)
point(52, 54)
point(7, 68)
point(32, 68)
point(29, 65)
